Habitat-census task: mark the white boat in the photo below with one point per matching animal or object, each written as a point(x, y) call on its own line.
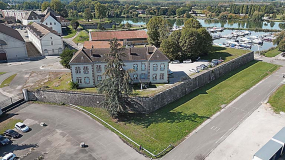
point(257, 41)
point(246, 40)
point(245, 45)
point(218, 29)
point(247, 32)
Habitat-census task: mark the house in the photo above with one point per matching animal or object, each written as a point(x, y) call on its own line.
point(150, 65)
point(51, 21)
point(64, 22)
point(46, 40)
point(98, 44)
point(31, 17)
point(12, 44)
point(128, 37)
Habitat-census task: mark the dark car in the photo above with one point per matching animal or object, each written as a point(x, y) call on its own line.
point(12, 133)
point(4, 140)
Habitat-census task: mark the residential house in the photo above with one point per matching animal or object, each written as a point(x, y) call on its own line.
point(128, 37)
point(31, 17)
point(51, 21)
point(46, 40)
point(12, 44)
point(98, 44)
point(150, 65)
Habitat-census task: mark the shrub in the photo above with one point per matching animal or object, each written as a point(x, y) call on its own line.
point(73, 85)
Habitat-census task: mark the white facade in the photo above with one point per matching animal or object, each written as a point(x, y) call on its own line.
point(14, 48)
point(50, 44)
point(144, 70)
point(53, 24)
point(26, 22)
point(18, 14)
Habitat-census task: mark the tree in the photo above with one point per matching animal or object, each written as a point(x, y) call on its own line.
point(66, 56)
point(100, 11)
point(128, 25)
point(281, 45)
point(257, 16)
point(157, 30)
point(205, 41)
point(56, 5)
point(279, 38)
point(116, 87)
point(100, 26)
point(87, 14)
point(189, 43)
point(192, 23)
point(3, 5)
point(74, 23)
point(45, 5)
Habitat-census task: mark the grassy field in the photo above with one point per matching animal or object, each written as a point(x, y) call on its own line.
point(272, 53)
point(226, 54)
point(277, 100)
point(8, 124)
point(81, 37)
point(2, 73)
point(70, 31)
point(170, 124)
point(7, 81)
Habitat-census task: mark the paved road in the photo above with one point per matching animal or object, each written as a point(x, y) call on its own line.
point(66, 129)
point(212, 134)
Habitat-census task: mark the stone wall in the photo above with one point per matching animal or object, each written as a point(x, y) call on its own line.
point(145, 104)
point(95, 25)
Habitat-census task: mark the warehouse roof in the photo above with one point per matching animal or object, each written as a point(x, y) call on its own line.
point(108, 35)
point(280, 136)
point(10, 32)
point(98, 44)
point(32, 16)
point(40, 30)
point(268, 150)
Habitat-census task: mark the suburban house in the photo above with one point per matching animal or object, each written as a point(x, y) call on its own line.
point(31, 17)
point(12, 44)
point(51, 21)
point(98, 44)
point(46, 40)
point(138, 37)
point(150, 65)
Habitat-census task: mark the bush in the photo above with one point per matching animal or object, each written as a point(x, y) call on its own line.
point(66, 56)
point(73, 85)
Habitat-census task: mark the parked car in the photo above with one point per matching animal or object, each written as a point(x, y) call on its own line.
point(198, 69)
point(169, 72)
point(203, 66)
point(187, 61)
point(175, 61)
point(12, 133)
point(192, 70)
point(215, 61)
point(4, 141)
point(22, 127)
point(9, 156)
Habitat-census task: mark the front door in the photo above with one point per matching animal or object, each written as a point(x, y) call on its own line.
point(3, 57)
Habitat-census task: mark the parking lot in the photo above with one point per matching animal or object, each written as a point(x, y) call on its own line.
point(181, 70)
point(60, 139)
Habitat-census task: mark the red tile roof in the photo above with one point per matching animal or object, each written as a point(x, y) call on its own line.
point(97, 36)
point(98, 44)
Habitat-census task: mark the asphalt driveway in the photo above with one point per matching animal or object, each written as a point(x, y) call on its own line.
point(66, 129)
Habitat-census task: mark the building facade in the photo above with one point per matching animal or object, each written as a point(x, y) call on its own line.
point(51, 21)
point(150, 65)
point(31, 17)
point(12, 44)
point(46, 40)
point(18, 14)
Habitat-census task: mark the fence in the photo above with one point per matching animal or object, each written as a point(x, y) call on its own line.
point(11, 101)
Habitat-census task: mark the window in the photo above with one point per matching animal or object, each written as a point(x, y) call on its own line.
point(143, 76)
point(46, 24)
point(86, 80)
point(50, 23)
point(154, 77)
point(155, 67)
point(54, 23)
point(135, 67)
point(51, 43)
point(135, 76)
point(85, 70)
point(79, 80)
point(52, 50)
point(99, 78)
point(105, 68)
point(77, 70)
point(161, 76)
point(143, 66)
point(50, 37)
point(59, 50)
point(162, 66)
point(45, 51)
point(98, 68)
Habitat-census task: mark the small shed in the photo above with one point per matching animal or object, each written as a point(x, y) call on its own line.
point(280, 138)
point(270, 151)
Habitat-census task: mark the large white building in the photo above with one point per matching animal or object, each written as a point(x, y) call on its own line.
point(46, 40)
point(149, 63)
point(18, 14)
point(12, 44)
point(31, 17)
point(51, 21)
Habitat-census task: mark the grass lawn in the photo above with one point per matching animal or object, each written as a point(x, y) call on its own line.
point(170, 124)
point(277, 100)
point(226, 54)
point(272, 53)
point(7, 81)
point(71, 32)
point(81, 37)
point(8, 124)
point(2, 73)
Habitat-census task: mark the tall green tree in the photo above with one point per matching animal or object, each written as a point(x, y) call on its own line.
point(157, 30)
point(192, 23)
point(66, 56)
point(189, 43)
point(74, 23)
point(279, 38)
point(45, 5)
point(116, 87)
point(100, 11)
point(205, 41)
point(171, 47)
point(87, 14)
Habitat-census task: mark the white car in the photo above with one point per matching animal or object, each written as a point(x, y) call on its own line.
point(22, 127)
point(9, 156)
